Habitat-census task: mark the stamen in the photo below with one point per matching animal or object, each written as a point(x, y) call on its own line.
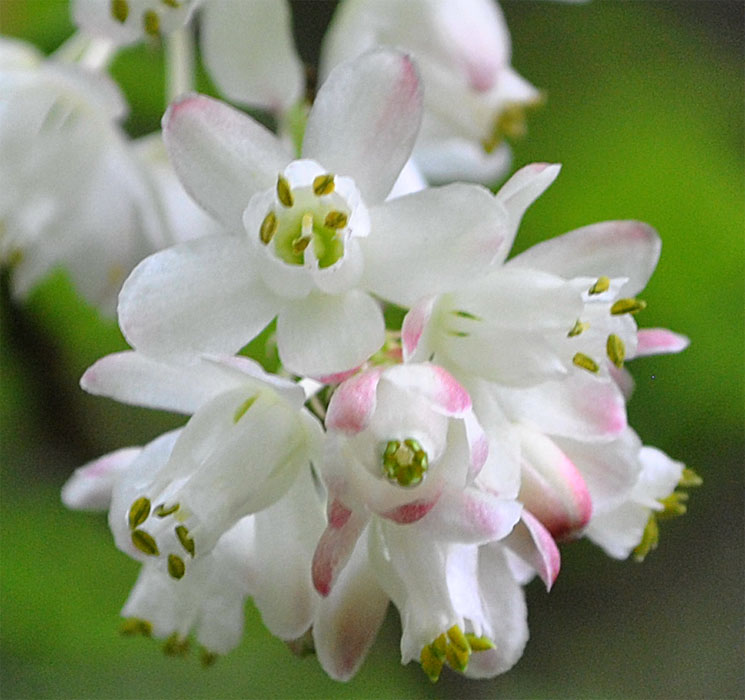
point(145, 543)
point(431, 664)
point(458, 639)
point(136, 626)
point(175, 4)
point(628, 306)
point(509, 123)
point(616, 350)
point(268, 228)
point(162, 510)
point(674, 505)
point(585, 362)
point(306, 226)
point(284, 192)
point(650, 539)
point(176, 566)
point(459, 334)
point(207, 658)
point(577, 328)
point(466, 314)
point(176, 646)
point(602, 285)
point(300, 244)
point(151, 22)
point(119, 10)
point(405, 463)
point(186, 542)
point(243, 408)
point(323, 184)
point(480, 643)
point(335, 220)
point(139, 512)
point(689, 478)
point(455, 649)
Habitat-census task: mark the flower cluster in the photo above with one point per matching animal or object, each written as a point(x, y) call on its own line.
point(438, 416)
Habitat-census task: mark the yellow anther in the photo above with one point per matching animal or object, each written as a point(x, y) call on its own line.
point(163, 511)
point(151, 22)
point(176, 646)
point(467, 314)
point(602, 285)
point(207, 658)
point(135, 626)
point(689, 479)
point(284, 192)
point(440, 646)
point(431, 663)
point(186, 541)
point(577, 328)
point(650, 539)
point(119, 10)
point(139, 512)
point(268, 228)
point(628, 306)
point(175, 4)
point(458, 639)
point(300, 244)
point(479, 643)
point(509, 123)
point(673, 505)
point(457, 658)
point(585, 362)
point(145, 543)
point(616, 350)
point(176, 566)
point(323, 184)
point(335, 220)
point(243, 408)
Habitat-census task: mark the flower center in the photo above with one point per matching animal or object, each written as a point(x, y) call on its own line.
point(454, 648)
point(310, 220)
point(405, 462)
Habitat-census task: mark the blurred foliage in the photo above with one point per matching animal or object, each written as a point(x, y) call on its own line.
point(646, 112)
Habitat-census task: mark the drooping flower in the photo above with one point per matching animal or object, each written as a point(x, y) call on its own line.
point(409, 521)
point(474, 99)
point(316, 234)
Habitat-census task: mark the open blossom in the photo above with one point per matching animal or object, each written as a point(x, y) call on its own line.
point(316, 236)
point(405, 522)
point(473, 98)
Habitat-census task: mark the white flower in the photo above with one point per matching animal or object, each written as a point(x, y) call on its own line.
point(406, 522)
point(473, 97)
point(562, 307)
point(316, 234)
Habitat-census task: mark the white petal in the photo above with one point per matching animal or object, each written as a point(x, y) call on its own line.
point(446, 160)
point(349, 618)
point(533, 544)
point(365, 119)
point(90, 486)
point(580, 406)
point(221, 155)
point(200, 296)
point(611, 248)
point(322, 334)
point(432, 241)
point(410, 180)
point(249, 51)
point(285, 537)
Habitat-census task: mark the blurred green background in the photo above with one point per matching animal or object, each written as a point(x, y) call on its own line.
point(646, 112)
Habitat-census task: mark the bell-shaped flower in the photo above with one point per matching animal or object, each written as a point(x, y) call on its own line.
point(473, 97)
point(564, 306)
point(316, 235)
point(241, 451)
point(630, 524)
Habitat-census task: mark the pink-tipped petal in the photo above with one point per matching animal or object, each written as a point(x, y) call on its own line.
point(552, 488)
point(434, 383)
point(221, 155)
point(534, 544)
point(611, 248)
point(336, 545)
point(659, 341)
point(353, 403)
point(412, 511)
point(365, 120)
point(414, 327)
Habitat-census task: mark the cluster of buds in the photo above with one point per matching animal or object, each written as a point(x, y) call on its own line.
point(432, 462)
